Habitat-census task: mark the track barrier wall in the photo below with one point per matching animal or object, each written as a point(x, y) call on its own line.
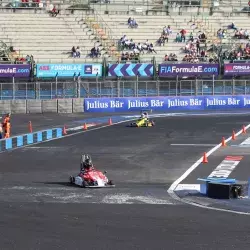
point(42, 106)
point(31, 138)
point(166, 104)
point(125, 104)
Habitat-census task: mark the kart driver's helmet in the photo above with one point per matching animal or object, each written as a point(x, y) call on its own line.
point(88, 163)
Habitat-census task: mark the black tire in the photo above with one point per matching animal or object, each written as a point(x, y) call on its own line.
point(71, 180)
point(111, 183)
point(85, 184)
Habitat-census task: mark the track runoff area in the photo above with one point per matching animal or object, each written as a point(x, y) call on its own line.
point(183, 176)
point(225, 165)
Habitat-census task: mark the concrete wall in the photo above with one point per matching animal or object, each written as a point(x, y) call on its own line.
point(42, 106)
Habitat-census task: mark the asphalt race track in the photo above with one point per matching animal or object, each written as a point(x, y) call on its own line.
point(39, 210)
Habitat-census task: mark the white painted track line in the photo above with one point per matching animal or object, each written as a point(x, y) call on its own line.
point(190, 170)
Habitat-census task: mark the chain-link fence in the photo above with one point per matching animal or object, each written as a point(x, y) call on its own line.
point(120, 88)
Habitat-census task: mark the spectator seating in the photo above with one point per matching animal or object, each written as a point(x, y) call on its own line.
point(150, 27)
point(48, 39)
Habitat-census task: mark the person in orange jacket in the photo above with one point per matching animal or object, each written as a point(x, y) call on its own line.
point(6, 126)
point(7, 130)
point(6, 120)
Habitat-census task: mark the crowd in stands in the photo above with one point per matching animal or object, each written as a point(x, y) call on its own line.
point(241, 52)
point(238, 33)
point(135, 48)
point(192, 49)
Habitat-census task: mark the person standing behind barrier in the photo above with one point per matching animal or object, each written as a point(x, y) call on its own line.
point(7, 131)
point(5, 124)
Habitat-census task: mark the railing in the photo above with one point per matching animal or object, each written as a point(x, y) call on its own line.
point(103, 32)
point(121, 88)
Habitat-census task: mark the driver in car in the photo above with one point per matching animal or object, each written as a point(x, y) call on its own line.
point(87, 165)
point(144, 115)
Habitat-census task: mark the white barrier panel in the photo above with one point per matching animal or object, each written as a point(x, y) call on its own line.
point(5, 106)
point(18, 106)
point(34, 106)
point(78, 105)
point(49, 106)
point(65, 105)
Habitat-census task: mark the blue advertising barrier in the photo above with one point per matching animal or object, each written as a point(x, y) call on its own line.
point(188, 69)
point(165, 103)
point(68, 70)
point(132, 69)
point(29, 139)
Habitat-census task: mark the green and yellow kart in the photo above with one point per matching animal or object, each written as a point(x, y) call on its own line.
point(143, 122)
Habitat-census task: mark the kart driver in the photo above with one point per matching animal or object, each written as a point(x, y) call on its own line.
point(144, 115)
point(87, 165)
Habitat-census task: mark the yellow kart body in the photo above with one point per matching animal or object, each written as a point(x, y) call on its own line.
point(143, 122)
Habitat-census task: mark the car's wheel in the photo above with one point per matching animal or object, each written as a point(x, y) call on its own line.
point(71, 180)
point(85, 184)
point(110, 182)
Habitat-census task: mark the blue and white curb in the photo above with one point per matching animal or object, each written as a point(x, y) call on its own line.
point(31, 138)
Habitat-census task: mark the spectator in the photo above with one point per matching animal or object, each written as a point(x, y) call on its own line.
point(151, 49)
point(129, 20)
point(25, 3)
point(183, 35)
point(27, 59)
point(198, 48)
point(73, 51)
point(191, 37)
point(78, 52)
point(202, 37)
point(178, 38)
point(232, 26)
point(133, 24)
point(53, 12)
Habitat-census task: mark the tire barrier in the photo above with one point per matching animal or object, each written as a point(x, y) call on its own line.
point(30, 138)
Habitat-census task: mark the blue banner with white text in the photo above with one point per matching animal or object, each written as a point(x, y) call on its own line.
point(167, 103)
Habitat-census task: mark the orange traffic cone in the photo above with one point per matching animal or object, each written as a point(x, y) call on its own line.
point(205, 158)
point(110, 121)
point(85, 126)
point(223, 143)
point(30, 127)
point(64, 130)
point(244, 130)
point(233, 136)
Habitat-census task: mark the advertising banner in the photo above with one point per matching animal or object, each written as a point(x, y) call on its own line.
point(14, 70)
point(68, 70)
point(139, 103)
point(235, 69)
point(133, 69)
point(188, 69)
point(165, 103)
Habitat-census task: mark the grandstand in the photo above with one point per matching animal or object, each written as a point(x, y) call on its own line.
point(50, 39)
point(33, 31)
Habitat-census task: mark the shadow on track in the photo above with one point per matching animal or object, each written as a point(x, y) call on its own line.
point(60, 183)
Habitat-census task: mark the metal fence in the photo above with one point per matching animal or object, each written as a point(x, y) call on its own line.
point(121, 88)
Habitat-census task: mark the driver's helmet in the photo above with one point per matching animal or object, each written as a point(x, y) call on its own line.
point(88, 163)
